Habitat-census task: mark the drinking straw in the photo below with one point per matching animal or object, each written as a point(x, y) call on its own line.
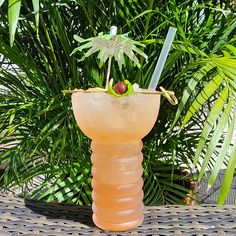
point(162, 58)
point(113, 30)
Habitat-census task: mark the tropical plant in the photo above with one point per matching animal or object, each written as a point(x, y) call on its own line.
point(14, 7)
point(34, 112)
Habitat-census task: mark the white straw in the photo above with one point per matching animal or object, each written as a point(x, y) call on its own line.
point(113, 30)
point(162, 58)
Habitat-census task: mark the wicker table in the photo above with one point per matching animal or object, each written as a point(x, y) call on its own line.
point(22, 217)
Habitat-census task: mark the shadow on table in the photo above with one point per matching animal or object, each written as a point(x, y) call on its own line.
point(81, 214)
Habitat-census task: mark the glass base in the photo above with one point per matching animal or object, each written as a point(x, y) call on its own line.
point(117, 185)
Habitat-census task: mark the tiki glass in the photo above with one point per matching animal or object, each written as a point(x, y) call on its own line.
point(116, 127)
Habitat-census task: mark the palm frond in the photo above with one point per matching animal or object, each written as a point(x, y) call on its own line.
point(228, 176)
point(162, 187)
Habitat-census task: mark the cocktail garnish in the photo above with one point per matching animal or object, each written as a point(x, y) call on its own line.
point(120, 89)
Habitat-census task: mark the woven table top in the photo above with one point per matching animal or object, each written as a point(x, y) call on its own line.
point(22, 217)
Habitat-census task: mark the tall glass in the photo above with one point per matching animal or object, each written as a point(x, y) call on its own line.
point(116, 127)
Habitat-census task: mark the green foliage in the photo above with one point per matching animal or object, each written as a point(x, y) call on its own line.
point(34, 113)
point(72, 184)
point(159, 189)
point(14, 7)
point(13, 16)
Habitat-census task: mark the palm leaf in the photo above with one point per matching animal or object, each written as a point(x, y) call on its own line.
point(196, 78)
point(204, 95)
point(228, 176)
point(36, 11)
point(224, 36)
point(216, 136)
point(67, 188)
point(13, 16)
point(210, 121)
point(220, 159)
point(231, 48)
point(14, 7)
point(162, 187)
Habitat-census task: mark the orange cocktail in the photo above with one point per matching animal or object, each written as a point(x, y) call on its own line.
point(116, 127)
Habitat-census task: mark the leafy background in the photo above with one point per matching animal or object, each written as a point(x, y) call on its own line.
point(51, 159)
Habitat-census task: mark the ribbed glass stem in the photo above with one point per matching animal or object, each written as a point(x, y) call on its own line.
point(117, 185)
